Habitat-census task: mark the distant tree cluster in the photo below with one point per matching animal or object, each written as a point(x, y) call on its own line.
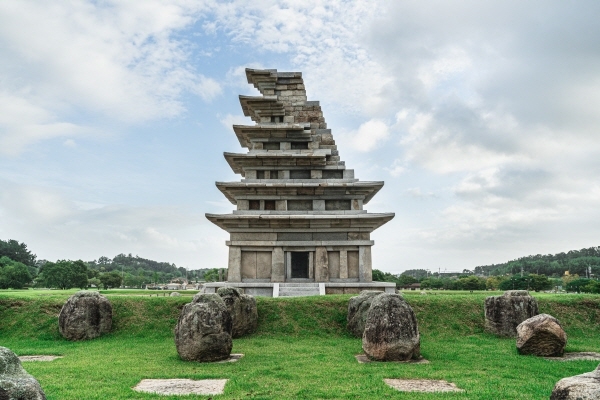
point(20, 268)
point(575, 261)
point(136, 271)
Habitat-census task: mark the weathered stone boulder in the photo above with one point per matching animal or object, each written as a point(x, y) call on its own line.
point(15, 382)
point(85, 315)
point(243, 310)
point(357, 311)
point(579, 387)
point(541, 335)
point(504, 313)
point(175, 294)
point(391, 332)
point(203, 331)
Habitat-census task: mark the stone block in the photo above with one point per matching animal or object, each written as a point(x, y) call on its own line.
point(248, 264)
point(294, 236)
point(318, 205)
point(333, 258)
point(328, 236)
point(253, 236)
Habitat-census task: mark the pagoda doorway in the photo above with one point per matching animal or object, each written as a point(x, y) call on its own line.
point(300, 264)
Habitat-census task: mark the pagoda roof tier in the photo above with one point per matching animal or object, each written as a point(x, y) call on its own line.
point(256, 107)
point(284, 189)
point(277, 158)
point(266, 79)
point(248, 133)
point(299, 222)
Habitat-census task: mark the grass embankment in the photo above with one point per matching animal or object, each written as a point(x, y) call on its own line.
point(301, 349)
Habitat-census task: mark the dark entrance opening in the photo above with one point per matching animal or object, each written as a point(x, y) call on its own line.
point(300, 264)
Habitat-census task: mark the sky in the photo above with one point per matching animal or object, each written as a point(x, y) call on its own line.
point(482, 118)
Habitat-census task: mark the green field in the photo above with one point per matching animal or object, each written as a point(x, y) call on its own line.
point(301, 349)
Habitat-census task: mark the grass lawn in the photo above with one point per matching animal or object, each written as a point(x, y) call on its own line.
point(301, 349)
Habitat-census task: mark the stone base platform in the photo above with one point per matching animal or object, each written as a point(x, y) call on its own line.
point(273, 289)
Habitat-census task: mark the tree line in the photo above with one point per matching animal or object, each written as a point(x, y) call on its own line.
point(19, 268)
point(581, 262)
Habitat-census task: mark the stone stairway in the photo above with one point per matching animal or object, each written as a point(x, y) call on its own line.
point(298, 289)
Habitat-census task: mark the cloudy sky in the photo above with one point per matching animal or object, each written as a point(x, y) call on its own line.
point(482, 118)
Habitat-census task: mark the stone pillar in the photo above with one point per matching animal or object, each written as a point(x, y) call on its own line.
point(288, 264)
point(343, 264)
point(321, 265)
point(235, 264)
point(278, 265)
point(311, 265)
point(365, 272)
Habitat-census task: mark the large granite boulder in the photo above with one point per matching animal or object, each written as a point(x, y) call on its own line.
point(85, 315)
point(579, 387)
point(15, 382)
point(357, 311)
point(203, 331)
point(541, 335)
point(504, 313)
point(243, 310)
point(391, 332)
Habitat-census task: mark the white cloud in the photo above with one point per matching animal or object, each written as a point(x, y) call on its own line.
point(397, 168)
point(118, 60)
point(369, 135)
point(207, 88)
point(229, 120)
point(70, 143)
point(417, 193)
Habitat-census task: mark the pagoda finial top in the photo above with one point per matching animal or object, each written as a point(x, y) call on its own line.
point(267, 79)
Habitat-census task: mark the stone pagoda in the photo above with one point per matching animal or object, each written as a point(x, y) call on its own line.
point(300, 220)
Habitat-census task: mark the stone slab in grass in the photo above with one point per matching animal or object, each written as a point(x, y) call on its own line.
point(422, 385)
point(576, 356)
point(169, 387)
point(38, 358)
point(364, 359)
point(232, 358)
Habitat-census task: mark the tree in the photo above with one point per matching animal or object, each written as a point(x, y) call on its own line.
point(515, 282)
point(13, 274)
point(577, 285)
point(111, 280)
point(17, 252)
point(540, 282)
point(64, 274)
point(405, 279)
point(94, 281)
point(493, 282)
point(471, 283)
point(592, 287)
point(378, 275)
